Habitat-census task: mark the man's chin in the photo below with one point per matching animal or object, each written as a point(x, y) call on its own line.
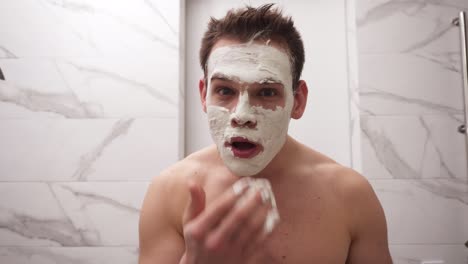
point(243, 167)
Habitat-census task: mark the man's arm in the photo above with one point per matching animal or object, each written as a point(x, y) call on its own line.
point(369, 242)
point(160, 241)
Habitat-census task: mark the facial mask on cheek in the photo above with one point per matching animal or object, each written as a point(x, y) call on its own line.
point(249, 64)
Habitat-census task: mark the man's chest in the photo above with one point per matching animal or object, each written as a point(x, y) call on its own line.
point(311, 230)
point(322, 243)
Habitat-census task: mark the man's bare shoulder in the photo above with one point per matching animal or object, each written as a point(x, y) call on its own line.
point(348, 183)
point(160, 227)
point(191, 168)
point(365, 216)
point(170, 187)
point(327, 170)
point(349, 186)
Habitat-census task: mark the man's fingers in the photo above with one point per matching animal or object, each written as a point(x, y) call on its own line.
point(201, 224)
point(226, 217)
point(218, 210)
point(231, 225)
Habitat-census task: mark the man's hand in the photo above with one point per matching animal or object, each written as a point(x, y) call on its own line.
point(231, 227)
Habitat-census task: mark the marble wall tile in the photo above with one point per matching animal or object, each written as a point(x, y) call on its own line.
point(413, 147)
point(408, 26)
point(89, 28)
point(406, 84)
point(89, 113)
point(86, 149)
point(69, 255)
point(90, 88)
point(19, 4)
point(31, 216)
point(424, 211)
point(70, 214)
point(34, 32)
point(144, 87)
point(416, 254)
point(22, 102)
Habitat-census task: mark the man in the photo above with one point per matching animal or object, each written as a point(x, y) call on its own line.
point(258, 195)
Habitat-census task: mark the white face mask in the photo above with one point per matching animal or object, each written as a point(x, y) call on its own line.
point(249, 64)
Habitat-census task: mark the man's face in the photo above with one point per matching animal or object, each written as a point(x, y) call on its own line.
point(249, 102)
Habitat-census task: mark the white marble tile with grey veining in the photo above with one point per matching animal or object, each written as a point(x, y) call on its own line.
point(6, 54)
point(86, 150)
point(408, 26)
point(33, 32)
point(413, 147)
point(19, 4)
point(70, 214)
point(69, 255)
point(416, 254)
point(89, 88)
point(89, 28)
point(410, 57)
point(30, 215)
point(424, 211)
point(114, 28)
point(141, 87)
point(408, 85)
point(107, 213)
point(35, 88)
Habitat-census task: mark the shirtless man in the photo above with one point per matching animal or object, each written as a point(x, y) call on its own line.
point(216, 205)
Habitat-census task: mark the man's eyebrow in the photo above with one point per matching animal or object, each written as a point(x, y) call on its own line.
point(229, 78)
point(270, 80)
point(223, 77)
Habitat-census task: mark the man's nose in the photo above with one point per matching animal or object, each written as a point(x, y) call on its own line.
point(243, 122)
point(243, 116)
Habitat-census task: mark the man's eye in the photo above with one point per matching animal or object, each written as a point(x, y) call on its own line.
point(225, 91)
point(267, 92)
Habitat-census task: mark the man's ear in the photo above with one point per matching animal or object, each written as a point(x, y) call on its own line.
point(202, 90)
point(300, 100)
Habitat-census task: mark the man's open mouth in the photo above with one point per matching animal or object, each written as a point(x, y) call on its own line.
point(243, 148)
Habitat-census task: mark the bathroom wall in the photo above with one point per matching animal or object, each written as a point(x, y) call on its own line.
point(410, 102)
point(89, 113)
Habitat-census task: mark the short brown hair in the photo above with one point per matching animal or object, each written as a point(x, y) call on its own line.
point(251, 23)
